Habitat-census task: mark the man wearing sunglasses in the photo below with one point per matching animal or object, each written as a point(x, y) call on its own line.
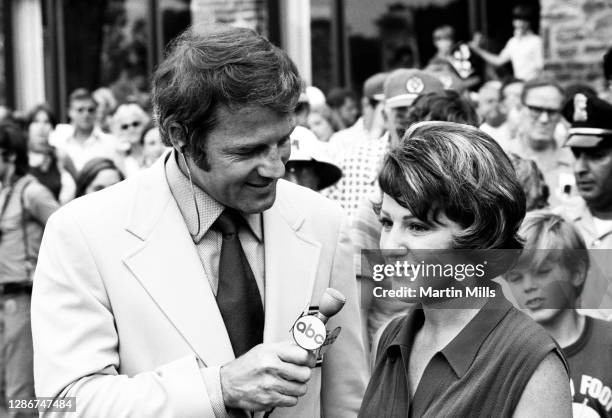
point(82, 140)
point(539, 116)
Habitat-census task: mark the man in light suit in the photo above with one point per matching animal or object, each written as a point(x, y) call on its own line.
point(144, 305)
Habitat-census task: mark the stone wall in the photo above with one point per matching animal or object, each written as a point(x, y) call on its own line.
point(576, 35)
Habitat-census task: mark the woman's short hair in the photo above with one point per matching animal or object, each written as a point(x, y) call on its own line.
point(41, 108)
point(532, 181)
point(446, 106)
point(219, 66)
point(461, 172)
point(89, 172)
point(543, 231)
point(14, 142)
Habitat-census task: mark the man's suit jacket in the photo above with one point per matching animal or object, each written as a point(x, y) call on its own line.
point(122, 308)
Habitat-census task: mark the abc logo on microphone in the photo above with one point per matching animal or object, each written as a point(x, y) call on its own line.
point(309, 332)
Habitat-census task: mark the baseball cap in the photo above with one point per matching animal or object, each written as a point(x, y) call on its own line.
point(403, 86)
point(374, 86)
point(590, 119)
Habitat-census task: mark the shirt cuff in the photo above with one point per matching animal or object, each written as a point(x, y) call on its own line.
point(212, 381)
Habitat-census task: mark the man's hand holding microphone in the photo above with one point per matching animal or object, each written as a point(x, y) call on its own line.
point(277, 374)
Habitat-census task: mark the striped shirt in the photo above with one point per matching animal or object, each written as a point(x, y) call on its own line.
point(480, 373)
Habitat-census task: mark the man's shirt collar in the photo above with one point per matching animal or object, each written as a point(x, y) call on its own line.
point(209, 209)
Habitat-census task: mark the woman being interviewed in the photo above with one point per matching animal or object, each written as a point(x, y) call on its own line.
point(451, 187)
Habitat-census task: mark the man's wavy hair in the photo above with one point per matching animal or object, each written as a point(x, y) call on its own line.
point(219, 66)
point(459, 171)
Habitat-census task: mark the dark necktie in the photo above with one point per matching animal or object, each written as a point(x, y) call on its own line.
point(238, 297)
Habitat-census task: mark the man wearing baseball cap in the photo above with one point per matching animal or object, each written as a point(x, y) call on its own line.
point(369, 125)
point(402, 88)
point(361, 163)
point(590, 140)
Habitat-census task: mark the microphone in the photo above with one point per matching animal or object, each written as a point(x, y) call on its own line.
point(309, 331)
point(331, 303)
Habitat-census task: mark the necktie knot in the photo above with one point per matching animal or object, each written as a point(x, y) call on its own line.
point(227, 223)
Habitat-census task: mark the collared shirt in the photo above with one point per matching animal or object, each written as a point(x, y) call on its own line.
point(29, 206)
point(208, 244)
point(596, 296)
point(208, 241)
point(465, 377)
point(556, 165)
point(360, 169)
point(98, 145)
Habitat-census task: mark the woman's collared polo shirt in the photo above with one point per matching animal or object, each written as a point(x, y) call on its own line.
point(482, 372)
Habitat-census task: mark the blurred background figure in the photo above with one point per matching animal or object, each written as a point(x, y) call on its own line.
point(106, 105)
point(97, 174)
point(44, 162)
point(532, 181)
point(152, 145)
point(25, 206)
point(344, 108)
point(402, 88)
point(444, 40)
point(315, 96)
point(510, 96)
point(302, 110)
point(5, 113)
point(127, 125)
point(541, 112)
point(607, 72)
point(82, 140)
point(524, 50)
point(320, 122)
point(308, 165)
point(371, 123)
point(493, 119)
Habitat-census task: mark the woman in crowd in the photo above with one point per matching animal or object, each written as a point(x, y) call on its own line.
point(152, 145)
point(127, 125)
point(97, 174)
point(45, 164)
point(451, 187)
point(319, 122)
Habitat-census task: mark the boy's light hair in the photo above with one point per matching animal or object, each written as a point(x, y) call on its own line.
point(545, 230)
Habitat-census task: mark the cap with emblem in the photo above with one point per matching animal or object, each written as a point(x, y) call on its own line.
point(403, 86)
point(308, 157)
point(374, 86)
point(591, 120)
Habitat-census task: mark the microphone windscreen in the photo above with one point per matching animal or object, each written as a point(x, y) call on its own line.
point(331, 302)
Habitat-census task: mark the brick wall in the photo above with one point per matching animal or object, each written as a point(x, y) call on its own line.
point(244, 13)
point(576, 35)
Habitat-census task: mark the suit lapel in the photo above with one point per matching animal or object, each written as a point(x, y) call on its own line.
point(292, 259)
point(168, 267)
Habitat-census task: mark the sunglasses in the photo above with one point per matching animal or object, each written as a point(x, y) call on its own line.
point(85, 109)
point(537, 111)
point(126, 126)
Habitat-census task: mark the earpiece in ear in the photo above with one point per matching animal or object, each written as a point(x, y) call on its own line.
point(183, 149)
